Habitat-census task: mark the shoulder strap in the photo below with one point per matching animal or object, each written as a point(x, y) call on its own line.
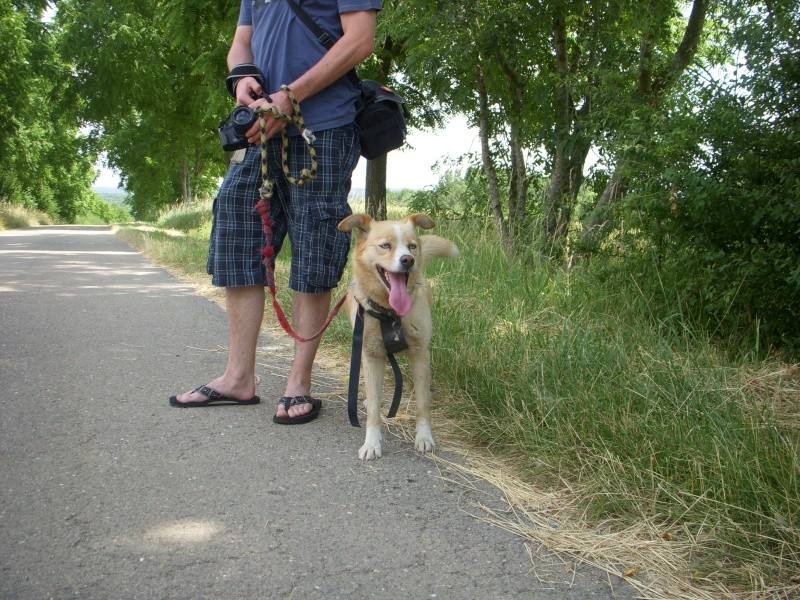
point(323, 37)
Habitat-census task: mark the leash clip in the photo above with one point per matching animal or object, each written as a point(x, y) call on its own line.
point(393, 337)
point(309, 136)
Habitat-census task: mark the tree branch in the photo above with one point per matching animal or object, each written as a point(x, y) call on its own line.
point(667, 76)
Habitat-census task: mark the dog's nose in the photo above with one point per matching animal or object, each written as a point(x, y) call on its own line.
point(407, 261)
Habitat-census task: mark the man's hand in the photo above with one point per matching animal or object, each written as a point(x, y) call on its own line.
point(247, 90)
point(273, 126)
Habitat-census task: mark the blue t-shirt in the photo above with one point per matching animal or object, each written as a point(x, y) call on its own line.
point(284, 48)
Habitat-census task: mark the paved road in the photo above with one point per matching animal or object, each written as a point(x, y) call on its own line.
point(107, 492)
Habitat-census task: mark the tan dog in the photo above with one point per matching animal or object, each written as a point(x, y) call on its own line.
point(388, 277)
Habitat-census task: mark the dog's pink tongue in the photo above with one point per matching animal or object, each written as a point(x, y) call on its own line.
point(399, 298)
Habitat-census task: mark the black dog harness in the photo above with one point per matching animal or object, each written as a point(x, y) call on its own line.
point(395, 341)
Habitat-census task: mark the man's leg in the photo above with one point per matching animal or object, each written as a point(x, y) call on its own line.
point(319, 249)
point(309, 312)
point(245, 306)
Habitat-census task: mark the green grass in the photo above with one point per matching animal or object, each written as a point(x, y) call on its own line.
point(178, 238)
point(194, 219)
point(94, 210)
point(584, 378)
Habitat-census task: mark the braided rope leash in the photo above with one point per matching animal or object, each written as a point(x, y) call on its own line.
point(297, 119)
point(263, 204)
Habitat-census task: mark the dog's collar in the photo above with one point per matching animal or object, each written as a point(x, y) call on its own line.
point(373, 308)
point(382, 313)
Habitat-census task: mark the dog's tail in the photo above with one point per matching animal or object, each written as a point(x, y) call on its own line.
point(434, 246)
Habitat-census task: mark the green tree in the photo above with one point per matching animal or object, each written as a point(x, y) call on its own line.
point(44, 161)
point(660, 63)
point(544, 82)
point(150, 75)
point(476, 59)
point(719, 196)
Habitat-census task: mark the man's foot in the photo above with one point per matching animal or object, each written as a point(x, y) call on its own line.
point(200, 396)
point(211, 397)
point(297, 409)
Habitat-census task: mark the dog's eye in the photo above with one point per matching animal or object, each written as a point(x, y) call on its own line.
point(412, 246)
point(386, 245)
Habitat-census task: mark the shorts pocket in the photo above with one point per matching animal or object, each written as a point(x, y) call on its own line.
point(328, 248)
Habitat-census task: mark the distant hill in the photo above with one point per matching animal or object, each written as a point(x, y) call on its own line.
point(110, 194)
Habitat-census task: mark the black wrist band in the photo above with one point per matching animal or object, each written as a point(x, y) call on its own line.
point(241, 71)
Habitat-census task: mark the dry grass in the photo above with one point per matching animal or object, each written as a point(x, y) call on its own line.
point(13, 216)
point(777, 390)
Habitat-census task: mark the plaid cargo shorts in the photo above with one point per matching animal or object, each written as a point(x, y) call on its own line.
point(308, 214)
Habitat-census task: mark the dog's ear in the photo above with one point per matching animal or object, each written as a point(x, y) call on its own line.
point(362, 221)
point(422, 220)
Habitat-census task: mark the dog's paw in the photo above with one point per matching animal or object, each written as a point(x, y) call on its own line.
point(424, 440)
point(369, 452)
point(372, 445)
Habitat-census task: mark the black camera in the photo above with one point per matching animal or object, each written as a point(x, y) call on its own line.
point(233, 129)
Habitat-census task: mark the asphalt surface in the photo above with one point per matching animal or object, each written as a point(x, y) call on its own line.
point(108, 492)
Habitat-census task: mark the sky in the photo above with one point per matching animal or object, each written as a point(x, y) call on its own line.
point(409, 168)
point(413, 166)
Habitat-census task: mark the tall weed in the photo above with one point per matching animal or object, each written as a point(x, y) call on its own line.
point(15, 216)
point(585, 377)
point(195, 218)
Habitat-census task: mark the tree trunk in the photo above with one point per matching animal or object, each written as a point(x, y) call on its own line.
point(595, 229)
point(488, 163)
point(198, 167)
point(186, 183)
point(566, 179)
point(518, 177)
point(556, 214)
point(518, 185)
point(375, 192)
point(555, 217)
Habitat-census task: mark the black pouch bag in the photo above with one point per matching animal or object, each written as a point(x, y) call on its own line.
point(380, 112)
point(380, 119)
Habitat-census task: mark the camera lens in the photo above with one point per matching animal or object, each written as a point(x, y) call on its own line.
point(242, 118)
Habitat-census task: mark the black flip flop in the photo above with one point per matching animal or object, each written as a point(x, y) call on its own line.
point(294, 401)
point(214, 397)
